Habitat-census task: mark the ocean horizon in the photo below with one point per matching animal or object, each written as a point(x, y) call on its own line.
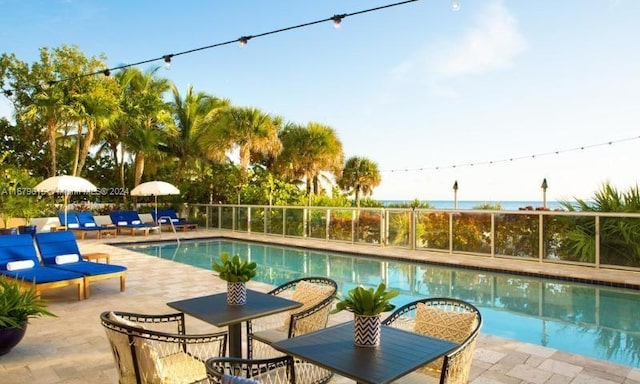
point(514, 205)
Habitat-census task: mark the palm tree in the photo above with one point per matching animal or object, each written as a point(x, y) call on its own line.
point(194, 116)
point(148, 115)
point(250, 131)
point(360, 175)
point(309, 151)
point(94, 108)
point(49, 107)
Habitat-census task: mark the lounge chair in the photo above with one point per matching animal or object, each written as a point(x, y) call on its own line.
point(166, 217)
point(68, 220)
point(87, 224)
point(60, 250)
point(444, 318)
point(130, 221)
point(19, 260)
point(157, 349)
point(317, 296)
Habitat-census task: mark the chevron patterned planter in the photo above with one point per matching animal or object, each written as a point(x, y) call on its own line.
point(236, 293)
point(366, 330)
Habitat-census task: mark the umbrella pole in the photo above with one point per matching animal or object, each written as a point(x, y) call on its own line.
point(157, 218)
point(66, 214)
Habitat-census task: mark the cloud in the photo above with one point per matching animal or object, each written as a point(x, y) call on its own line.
point(493, 43)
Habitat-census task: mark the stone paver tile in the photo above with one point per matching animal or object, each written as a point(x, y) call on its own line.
point(559, 379)
point(515, 358)
point(536, 350)
point(487, 355)
point(634, 374)
point(491, 377)
point(585, 378)
point(534, 361)
point(528, 374)
point(560, 367)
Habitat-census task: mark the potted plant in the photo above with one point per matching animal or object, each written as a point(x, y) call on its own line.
point(17, 306)
point(367, 305)
point(236, 272)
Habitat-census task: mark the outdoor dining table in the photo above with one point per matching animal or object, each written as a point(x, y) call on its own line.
point(399, 353)
point(214, 309)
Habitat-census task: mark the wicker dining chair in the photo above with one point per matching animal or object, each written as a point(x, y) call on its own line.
point(156, 348)
point(277, 370)
point(445, 318)
point(317, 295)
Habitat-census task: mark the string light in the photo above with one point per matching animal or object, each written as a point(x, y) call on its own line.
point(455, 5)
point(335, 19)
point(511, 159)
point(167, 61)
point(244, 40)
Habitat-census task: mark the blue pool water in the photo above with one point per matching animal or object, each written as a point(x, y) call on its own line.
point(591, 320)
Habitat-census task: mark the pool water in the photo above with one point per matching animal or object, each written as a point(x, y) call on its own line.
point(591, 320)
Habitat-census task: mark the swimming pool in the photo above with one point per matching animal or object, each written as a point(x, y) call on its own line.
point(590, 320)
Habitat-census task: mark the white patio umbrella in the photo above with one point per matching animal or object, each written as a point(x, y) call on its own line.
point(155, 189)
point(65, 184)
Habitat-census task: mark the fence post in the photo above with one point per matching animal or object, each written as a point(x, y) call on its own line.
point(541, 239)
point(284, 221)
point(353, 225)
point(493, 235)
point(412, 232)
point(597, 241)
point(382, 220)
point(327, 224)
point(451, 232)
point(249, 219)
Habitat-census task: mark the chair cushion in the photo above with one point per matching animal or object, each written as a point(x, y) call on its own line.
point(67, 258)
point(443, 324)
point(182, 368)
point(89, 225)
point(20, 264)
point(309, 294)
point(119, 319)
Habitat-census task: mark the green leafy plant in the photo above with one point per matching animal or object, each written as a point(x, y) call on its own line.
point(234, 269)
point(18, 305)
point(367, 302)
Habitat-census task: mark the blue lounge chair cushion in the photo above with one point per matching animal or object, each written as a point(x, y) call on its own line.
point(21, 247)
point(52, 244)
point(69, 220)
point(88, 222)
point(128, 219)
point(163, 214)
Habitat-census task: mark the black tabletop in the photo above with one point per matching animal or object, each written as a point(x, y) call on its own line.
point(399, 352)
point(214, 308)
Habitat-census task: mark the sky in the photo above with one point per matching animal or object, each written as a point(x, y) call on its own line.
point(497, 95)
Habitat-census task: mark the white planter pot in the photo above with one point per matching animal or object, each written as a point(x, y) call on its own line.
point(366, 330)
point(236, 293)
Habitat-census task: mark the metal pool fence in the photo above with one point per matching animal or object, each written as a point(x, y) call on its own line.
point(597, 239)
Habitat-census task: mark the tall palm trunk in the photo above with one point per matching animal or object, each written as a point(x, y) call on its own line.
point(76, 151)
point(86, 145)
point(139, 168)
point(51, 130)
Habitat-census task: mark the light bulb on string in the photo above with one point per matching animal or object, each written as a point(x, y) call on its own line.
point(167, 61)
point(337, 21)
point(455, 5)
point(243, 40)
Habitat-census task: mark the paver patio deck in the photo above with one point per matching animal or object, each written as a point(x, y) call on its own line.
point(72, 348)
